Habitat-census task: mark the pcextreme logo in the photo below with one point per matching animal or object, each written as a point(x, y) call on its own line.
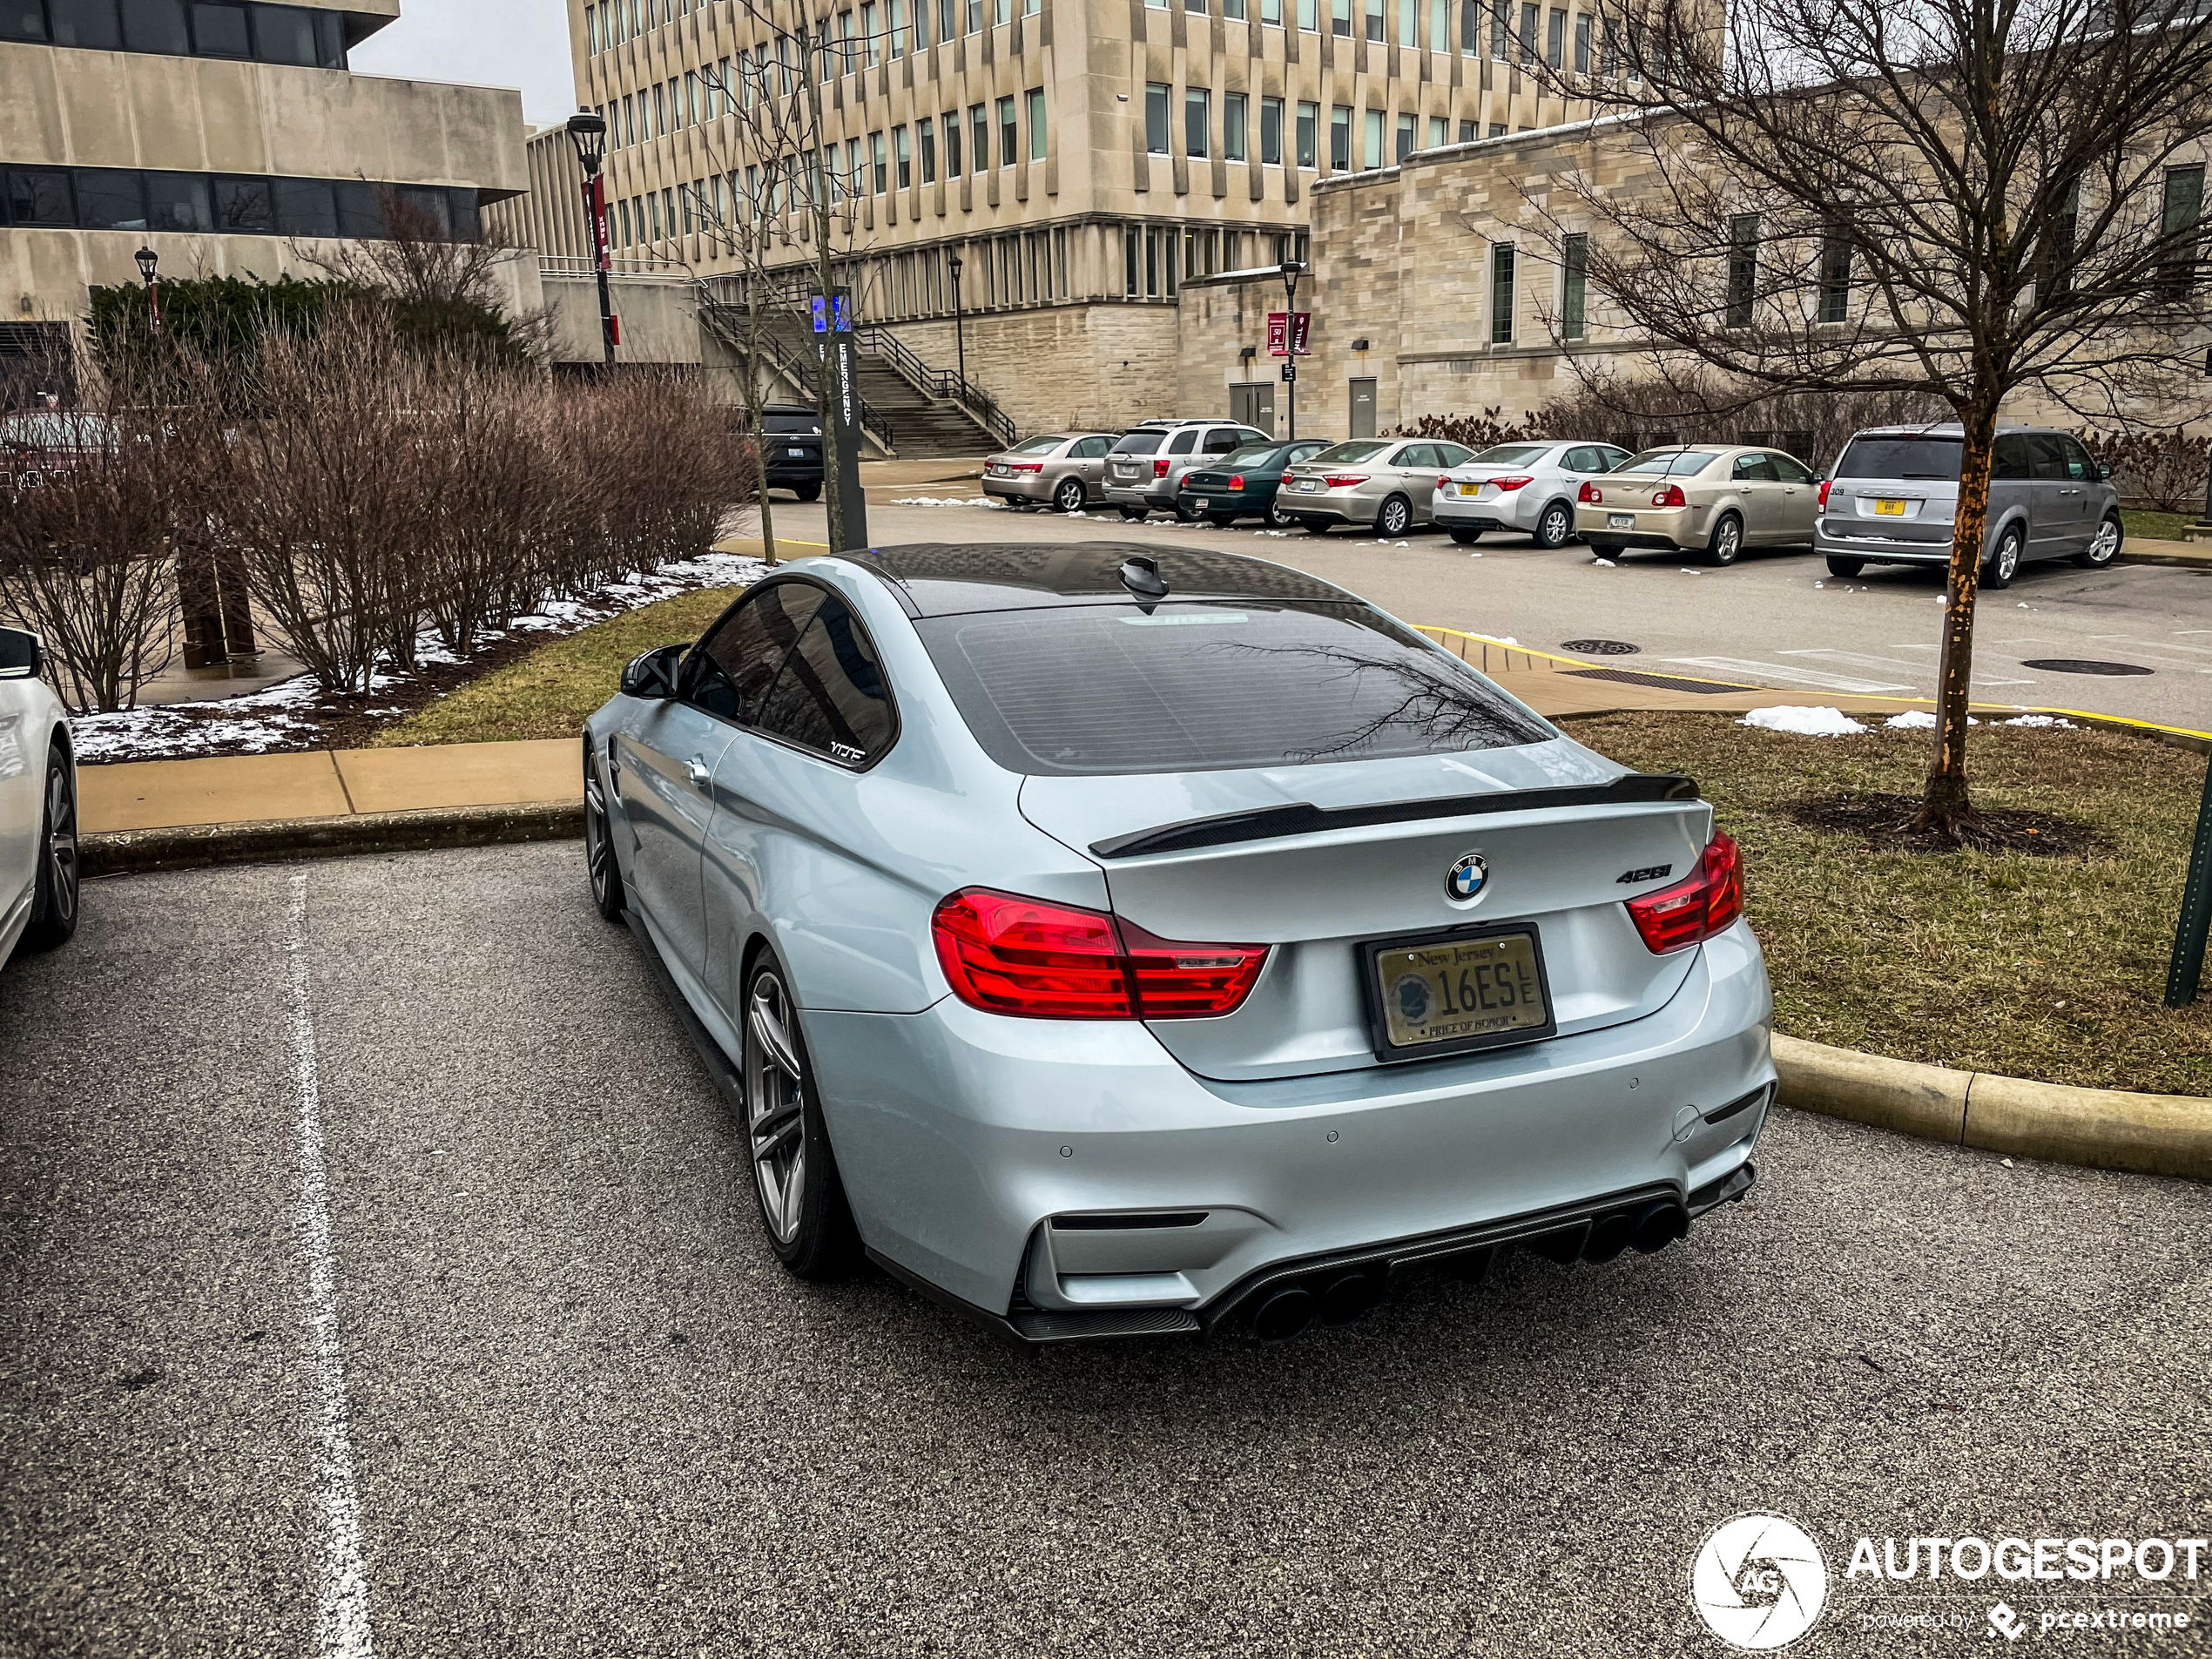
point(1759, 1581)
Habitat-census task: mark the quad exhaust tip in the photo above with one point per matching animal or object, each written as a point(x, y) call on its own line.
point(1327, 1298)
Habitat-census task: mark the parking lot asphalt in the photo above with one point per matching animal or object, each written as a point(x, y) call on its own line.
point(1776, 618)
point(564, 1401)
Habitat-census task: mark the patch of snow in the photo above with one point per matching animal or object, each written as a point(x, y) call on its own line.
point(944, 501)
point(1602, 564)
point(1918, 721)
point(1686, 570)
point(2040, 720)
point(1806, 723)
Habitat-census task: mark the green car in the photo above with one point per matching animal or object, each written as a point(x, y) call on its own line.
point(1242, 484)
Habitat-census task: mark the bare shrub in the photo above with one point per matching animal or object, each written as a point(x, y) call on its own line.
point(86, 554)
point(489, 497)
point(2162, 471)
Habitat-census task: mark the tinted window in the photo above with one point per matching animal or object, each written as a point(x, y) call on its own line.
point(93, 24)
point(1222, 439)
point(1110, 689)
point(244, 205)
point(831, 696)
point(156, 26)
point(1416, 454)
point(2009, 459)
point(2044, 456)
point(22, 20)
point(1790, 470)
point(109, 198)
point(1139, 443)
point(734, 667)
point(220, 31)
point(804, 421)
point(1355, 451)
point(305, 208)
point(1905, 456)
point(284, 35)
point(1513, 454)
point(2078, 462)
point(1451, 454)
point(176, 201)
point(39, 197)
point(1253, 454)
point(1754, 469)
point(360, 210)
point(1089, 449)
point(1183, 441)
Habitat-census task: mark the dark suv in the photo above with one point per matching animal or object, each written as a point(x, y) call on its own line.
point(791, 450)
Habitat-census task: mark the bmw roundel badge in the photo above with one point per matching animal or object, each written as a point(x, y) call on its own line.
point(1467, 879)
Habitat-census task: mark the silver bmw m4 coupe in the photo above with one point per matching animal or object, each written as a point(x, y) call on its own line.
point(1113, 941)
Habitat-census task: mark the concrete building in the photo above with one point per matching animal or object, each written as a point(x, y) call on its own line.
point(1083, 159)
point(229, 138)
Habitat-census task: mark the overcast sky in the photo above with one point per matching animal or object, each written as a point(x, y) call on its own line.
point(491, 43)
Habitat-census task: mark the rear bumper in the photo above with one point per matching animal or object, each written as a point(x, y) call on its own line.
point(1159, 498)
point(1243, 504)
point(1675, 527)
point(1029, 487)
point(1516, 511)
point(1878, 549)
point(961, 1135)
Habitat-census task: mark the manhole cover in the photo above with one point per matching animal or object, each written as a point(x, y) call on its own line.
point(2075, 666)
point(1601, 647)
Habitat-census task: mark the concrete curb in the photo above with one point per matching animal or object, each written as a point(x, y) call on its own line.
point(128, 852)
point(2101, 1128)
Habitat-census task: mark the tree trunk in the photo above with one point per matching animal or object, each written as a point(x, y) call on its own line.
point(1946, 804)
point(756, 409)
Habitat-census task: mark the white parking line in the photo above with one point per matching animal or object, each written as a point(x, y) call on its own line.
point(1783, 671)
point(1855, 659)
point(341, 1624)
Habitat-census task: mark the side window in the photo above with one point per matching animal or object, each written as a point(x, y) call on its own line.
point(2011, 458)
point(1450, 455)
point(1758, 469)
point(1415, 456)
point(2045, 455)
point(1181, 443)
point(730, 671)
point(1587, 459)
point(1088, 450)
point(1613, 459)
point(1790, 470)
point(831, 696)
point(2078, 463)
point(1222, 439)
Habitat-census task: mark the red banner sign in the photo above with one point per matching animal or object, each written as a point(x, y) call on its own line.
point(1288, 333)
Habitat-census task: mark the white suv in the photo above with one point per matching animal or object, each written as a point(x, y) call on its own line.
point(1528, 487)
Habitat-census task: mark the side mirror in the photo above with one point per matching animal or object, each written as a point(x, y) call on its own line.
point(652, 674)
point(23, 656)
point(2104, 472)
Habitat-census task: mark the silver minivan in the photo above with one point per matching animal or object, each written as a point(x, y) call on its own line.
point(1893, 499)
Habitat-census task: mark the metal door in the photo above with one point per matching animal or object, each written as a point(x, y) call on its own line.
point(1253, 405)
point(1363, 409)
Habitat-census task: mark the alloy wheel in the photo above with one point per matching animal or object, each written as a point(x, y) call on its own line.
point(1395, 517)
point(1553, 528)
point(2005, 562)
point(775, 1107)
point(61, 844)
point(598, 851)
point(1728, 541)
point(1069, 496)
point(2105, 544)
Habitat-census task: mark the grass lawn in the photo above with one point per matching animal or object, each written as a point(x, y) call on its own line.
point(548, 693)
point(2050, 968)
point(2155, 527)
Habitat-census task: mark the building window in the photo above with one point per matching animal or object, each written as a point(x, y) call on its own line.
point(879, 171)
point(1470, 27)
point(952, 144)
point(1309, 15)
point(2184, 217)
point(926, 131)
point(1271, 132)
point(1132, 283)
point(1155, 118)
point(1036, 124)
point(1582, 44)
point(1500, 28)
point(1834, 279)
point(271, 34)
point(1409, 23)
point(1197, 114)
point(1556, 39)
point(1467, 134)
point(903, 156)
point(896, 10)
point(1309, 135)
point(979, 133)
point(1232, 126)
point(1009, 135)
point(1198, 6)
point(1743, 269)
point(1339, 138)
point(1573, 271)
point(1439, 25)
point(1340, 17)
point(1501, 294)
point(1531, 17)
point(1374, 19)
point(1404, 137)
point(947, 19)
point(1233, 8)
point(1270, 12)
point(1372, 150)
point(1439, 132)
point(1497, 129)
point(871, 40)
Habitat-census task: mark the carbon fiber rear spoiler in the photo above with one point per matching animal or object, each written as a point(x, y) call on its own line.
point(1302, 817)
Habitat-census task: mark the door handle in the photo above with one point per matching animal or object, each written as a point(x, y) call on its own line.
point(696, 770)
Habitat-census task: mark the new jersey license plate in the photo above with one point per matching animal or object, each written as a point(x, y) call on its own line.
point(1620, 520)
point(1459, 991)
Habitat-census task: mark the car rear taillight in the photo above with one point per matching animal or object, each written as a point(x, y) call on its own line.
point(1236, 481)
point(1345, 480)
point(1160, 467)
point(1515, 482)
point(1025, 466)
point(1591, 495)
point(1823, 494)
point(1007, 955)
point(1696, 907)
point(1670, 497)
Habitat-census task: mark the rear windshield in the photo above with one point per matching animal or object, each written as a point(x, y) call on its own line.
point(1670, 463)
point(1346, 452)
point(1139, 443)
point(1037, 447)
point(1901, 457)
point(1082, 690)
point(1512, 454)
point(790, 421)
point(1257, 455)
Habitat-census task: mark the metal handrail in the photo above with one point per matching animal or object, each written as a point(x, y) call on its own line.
point(799, 365)
point(879, 341)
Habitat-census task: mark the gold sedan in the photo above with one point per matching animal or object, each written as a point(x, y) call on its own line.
point(1712, 500)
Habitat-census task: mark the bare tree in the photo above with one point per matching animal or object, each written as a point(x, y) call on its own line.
point(1967, 199)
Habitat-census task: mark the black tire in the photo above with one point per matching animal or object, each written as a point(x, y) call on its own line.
point(807, 492)
point(2106, 548)
point(2004, 559)
point(1222, 520)
point(1394, 516)
point(53, 910)
point(1315, 526)
point(1466, 538)
point(1555, 526)
point(601, 866)
point(1068, 495)
point(786, 1143)
point(1838, 565)
point(1602, 549)
point(1276, 518)
point(1133, 512)
point(1725, 545)
point(1185, 515)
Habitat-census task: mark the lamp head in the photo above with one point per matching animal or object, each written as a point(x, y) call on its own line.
point(588, 131)
point(147, 260)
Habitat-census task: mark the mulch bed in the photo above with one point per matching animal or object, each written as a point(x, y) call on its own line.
point(1889, 824)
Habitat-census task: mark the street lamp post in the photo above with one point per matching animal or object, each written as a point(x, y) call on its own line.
point(588, 131)
point(960, 325)
point(148, 262)
point(1292, 271)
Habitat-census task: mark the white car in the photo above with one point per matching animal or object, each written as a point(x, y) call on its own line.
point(1528, 487)
point(38, 877)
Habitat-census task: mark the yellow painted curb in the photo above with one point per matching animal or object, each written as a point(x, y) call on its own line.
point(2100, 1128)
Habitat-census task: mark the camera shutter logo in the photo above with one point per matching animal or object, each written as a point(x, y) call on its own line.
point(1759, 1582)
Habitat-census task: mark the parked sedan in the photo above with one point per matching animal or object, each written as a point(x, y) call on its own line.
point(1243, 484)
point(1111, 944)
point(1712, 500)
point(1894, 500)
point(1386, 483)
point(1528, 487)
point(1067, 468)
point(38, 884)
